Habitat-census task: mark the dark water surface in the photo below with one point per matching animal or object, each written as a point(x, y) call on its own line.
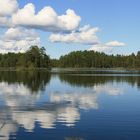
point(70, 105)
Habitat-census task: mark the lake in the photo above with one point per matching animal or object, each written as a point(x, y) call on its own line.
point(68, 104)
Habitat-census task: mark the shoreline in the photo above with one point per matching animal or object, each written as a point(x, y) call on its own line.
point(61, 70)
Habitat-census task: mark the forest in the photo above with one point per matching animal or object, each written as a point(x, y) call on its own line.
point(92, 59)
point(35, 57)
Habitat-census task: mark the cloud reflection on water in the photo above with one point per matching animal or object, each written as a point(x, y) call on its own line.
point(20, 107)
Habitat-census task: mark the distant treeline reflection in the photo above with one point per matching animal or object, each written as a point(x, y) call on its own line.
point(34, 80)
point(88, 81)
point(37, 80)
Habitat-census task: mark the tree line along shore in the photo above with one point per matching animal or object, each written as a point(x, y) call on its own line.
point(92, 59)
point(36, 58)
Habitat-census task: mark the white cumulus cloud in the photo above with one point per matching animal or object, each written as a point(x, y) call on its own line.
point(46, 19)
point(18, 40)
point(21, 23)
point(115, 44)
point(101, 48)
point(4, 22)
point(85, 35)
point(107, 47)
point(8, 7)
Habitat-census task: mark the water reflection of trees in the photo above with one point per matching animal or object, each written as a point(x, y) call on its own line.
point(73, 138)
point(87, 81)
point(34, 80)
point(63, 104)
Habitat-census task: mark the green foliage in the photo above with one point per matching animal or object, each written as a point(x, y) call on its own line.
point(94, 59)
point(35, 57)
point(35, 80)
point(55, 63)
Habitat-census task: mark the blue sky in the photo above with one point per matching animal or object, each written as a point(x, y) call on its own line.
point(117, 20)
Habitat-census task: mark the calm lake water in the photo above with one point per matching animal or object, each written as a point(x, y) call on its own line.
point(70, 105)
